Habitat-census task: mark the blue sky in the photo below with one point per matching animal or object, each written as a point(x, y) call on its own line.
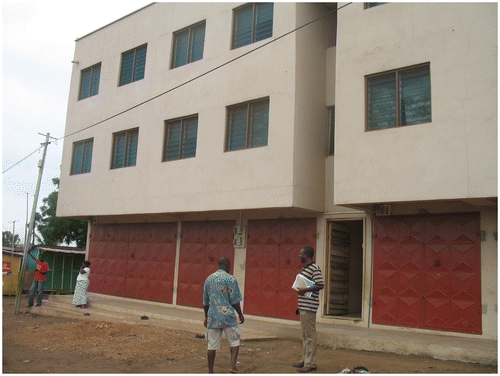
point(37, 50)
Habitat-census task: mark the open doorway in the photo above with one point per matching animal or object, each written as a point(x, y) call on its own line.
point(345, 273)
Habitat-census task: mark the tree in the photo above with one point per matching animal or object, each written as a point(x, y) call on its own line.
point(56, 230)
point(7, 239)
point(38, 220)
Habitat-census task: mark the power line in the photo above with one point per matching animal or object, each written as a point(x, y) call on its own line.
point(15, 164)
point(206, 73)
point(42, 145)
point(32, 225)
point(186, 82)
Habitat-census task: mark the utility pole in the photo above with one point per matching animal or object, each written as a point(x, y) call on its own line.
point(20, 283)
point(26, 224)
point(13, 245)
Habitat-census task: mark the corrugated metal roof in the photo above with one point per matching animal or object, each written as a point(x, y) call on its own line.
point(8, 251)
point(61, 249)
point(48, 248)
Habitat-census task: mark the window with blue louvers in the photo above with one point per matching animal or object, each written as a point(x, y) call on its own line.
point(180, 138)
point(125, 148)
point(252, 23)
point(248, 125)
point(188, 45)
point(398, 98)
point(133, 65)
point(82, 157)
point(89, 81)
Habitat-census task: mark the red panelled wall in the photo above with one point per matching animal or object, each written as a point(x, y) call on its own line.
point(427, 272)
point(273, 263)
point(202, 244)
point(133, 260)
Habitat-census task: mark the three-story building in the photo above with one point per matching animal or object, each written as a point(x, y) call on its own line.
point(250, 130)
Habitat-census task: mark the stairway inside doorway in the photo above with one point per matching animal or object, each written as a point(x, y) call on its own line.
point(345, 260)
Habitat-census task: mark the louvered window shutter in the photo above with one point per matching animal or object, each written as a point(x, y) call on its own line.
point(263, 27)
point(173, 141)
point(96, 75)
point(87, 156)
point(243, 27)
point(127, 68)
point(415, 96)
point(399, 98)
point(85, 83)
point(140, 63)
point(382, 102)
point(119, 150)
point(189, 136)
point(181, 48)
point(82, 157)
point(77, 158)
point(133, 65)
point(237, 128)
point(132, 140)
point(197, 43)
point(259, 121)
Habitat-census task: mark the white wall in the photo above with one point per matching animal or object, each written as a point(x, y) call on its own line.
point(214, 179)
point(454, 156)
point(311, 121)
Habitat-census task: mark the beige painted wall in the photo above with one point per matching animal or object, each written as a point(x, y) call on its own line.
point(271, 176)
point(311, 123)
point(454, 156)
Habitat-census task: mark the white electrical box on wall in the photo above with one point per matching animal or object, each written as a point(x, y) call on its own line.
point(239, 236)
point(383, 209)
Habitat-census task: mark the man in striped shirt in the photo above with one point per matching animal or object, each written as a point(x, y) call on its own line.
point(307, 308)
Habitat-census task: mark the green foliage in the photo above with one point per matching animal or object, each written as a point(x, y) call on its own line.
point(7, 239)
point(55, 230)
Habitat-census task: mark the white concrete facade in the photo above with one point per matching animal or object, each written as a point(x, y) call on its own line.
point(446, 166)
point(452, 157)
point(271, 176)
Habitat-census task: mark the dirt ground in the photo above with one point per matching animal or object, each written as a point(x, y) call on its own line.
point(43, 344)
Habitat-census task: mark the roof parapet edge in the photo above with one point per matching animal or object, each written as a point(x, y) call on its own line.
point(115, 21)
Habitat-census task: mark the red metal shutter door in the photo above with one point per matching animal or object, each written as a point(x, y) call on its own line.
point(219, 244)
point(295, 235)
point(398, 271)
point(202, 244)
point(385, 271)
point(272, 264)
point(151, 263)
point(453, 263)
point(133, 260)
point(191, 263)
point(96, 257)
point(161, 255)
point(137, 267)
point(427, 272)
point(261, 278)
point(109, 259)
